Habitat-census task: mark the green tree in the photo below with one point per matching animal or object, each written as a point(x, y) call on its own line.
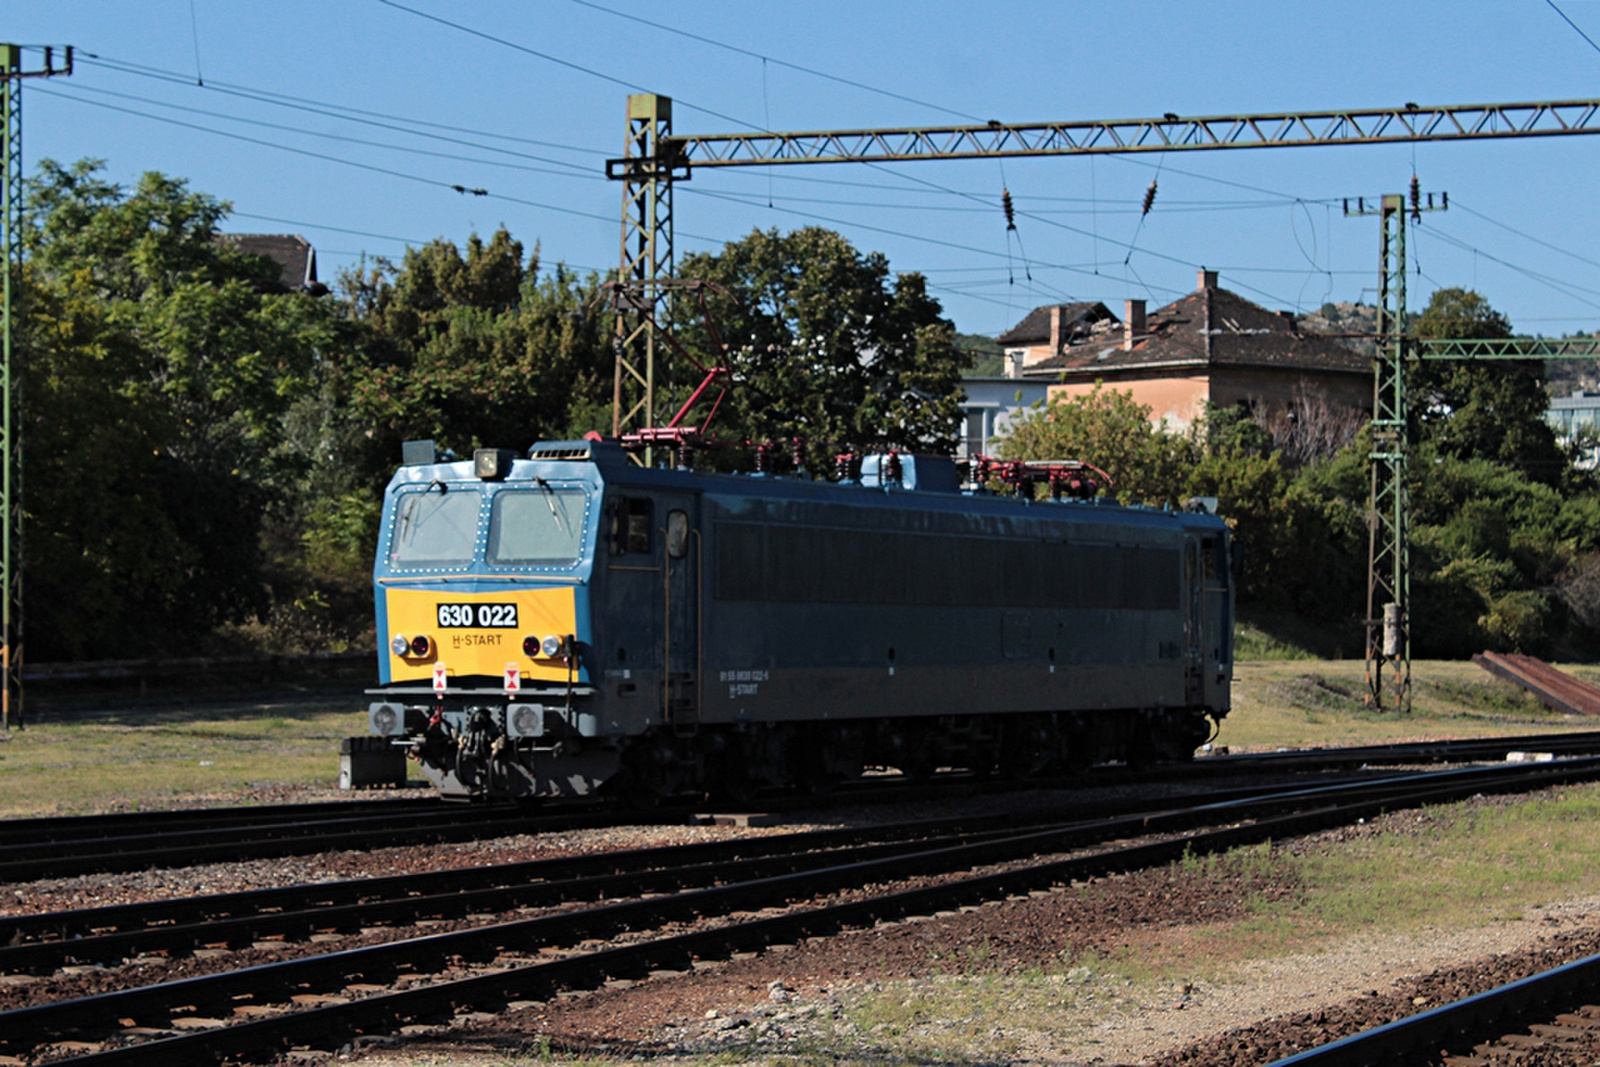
point(1108, 429)
point(1490, 410)
point(474, 349)
point(825, 346)
point(157, 363)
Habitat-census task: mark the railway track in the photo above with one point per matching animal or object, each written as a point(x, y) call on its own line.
point(35, 943)
point(60, 847)
point(240, 833)
point(1551, 1017)
point(705, 905)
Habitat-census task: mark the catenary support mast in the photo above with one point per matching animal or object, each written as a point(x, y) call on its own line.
point(16, 63)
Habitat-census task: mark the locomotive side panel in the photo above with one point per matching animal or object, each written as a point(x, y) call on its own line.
point(888, 608)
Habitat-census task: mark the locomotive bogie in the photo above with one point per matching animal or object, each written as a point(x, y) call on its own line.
point(571, 622)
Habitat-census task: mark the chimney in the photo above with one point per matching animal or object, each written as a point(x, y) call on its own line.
point(1132, 323)
point(1207, 279)
point(1055, 330)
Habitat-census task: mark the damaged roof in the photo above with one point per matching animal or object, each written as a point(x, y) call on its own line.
point(1075, 318)
point(1211, 326)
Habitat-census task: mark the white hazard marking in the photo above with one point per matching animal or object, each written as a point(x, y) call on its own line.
point(513, 677)
point(438, 677)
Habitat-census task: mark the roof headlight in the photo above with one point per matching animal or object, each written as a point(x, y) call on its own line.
point(492, 464)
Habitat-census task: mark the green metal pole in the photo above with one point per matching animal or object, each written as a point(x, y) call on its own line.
point(51, 63)
point(638, 382)
point(10, 505)
point(1388, 638)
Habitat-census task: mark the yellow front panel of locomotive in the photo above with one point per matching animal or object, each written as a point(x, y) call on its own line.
point(469, 633)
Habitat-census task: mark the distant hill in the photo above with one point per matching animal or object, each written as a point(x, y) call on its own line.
point(1332, 320)
point(1563, 377)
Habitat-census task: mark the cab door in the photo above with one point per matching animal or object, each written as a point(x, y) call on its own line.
point(680, 608)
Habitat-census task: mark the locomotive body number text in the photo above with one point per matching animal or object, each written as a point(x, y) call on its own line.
point(457, 616)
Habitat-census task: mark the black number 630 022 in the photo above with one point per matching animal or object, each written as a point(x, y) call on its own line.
point(459, 616)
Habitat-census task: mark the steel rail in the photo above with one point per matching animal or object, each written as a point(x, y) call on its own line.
point(33, 943)
point(99, 930)
point(142, 851)
point(1423, 1035)
point(1455, 750)
point(104, 1016)
point(118, 824)
point(1170, 133)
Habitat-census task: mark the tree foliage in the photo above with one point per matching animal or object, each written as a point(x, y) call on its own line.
point(157, 361)
point(825, 346)
point(1107, 428)
point(1491, 409)
point(475, 348)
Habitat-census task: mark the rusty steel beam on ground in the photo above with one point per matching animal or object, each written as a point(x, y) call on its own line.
point(1554, 688)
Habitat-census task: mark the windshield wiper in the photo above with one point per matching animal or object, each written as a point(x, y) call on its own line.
point(550, 501)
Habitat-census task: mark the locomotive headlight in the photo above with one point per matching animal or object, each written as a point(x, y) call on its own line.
point(420, 645)
point(530, 647)
point(400, 644)
point(551, 646)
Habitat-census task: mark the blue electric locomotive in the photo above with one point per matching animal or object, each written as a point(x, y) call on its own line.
point(571, 622)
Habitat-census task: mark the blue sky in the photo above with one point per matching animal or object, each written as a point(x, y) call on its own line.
point(535, 130)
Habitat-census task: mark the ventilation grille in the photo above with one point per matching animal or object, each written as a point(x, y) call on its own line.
point(579, 453)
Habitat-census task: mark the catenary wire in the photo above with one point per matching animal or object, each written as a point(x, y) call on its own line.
point(549, 58)
point(778, 62)
point(574, 170)
point(391, 172)
point(340, 111)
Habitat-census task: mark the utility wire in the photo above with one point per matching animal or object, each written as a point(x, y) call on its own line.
point(1574, 25)
point(1564, 288)
point(573, 171)
point(894, 233)
point(547, 57)
point(338, 111)
point(322, 226)
point(436, 183)
point(778, 62)
point(194, 28)
point(1525, 236)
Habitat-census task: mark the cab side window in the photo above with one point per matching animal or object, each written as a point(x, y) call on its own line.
point(631, 526)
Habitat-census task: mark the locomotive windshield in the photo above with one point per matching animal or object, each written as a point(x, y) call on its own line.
point(436, 528)
point(536, 528)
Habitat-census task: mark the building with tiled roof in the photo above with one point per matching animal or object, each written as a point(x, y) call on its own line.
point(1211, 345)
point(1048, 331)
point(296, 259)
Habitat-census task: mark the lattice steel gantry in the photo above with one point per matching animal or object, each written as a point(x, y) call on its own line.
point(13, 68)
point(654, 158)
point(647, 169)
